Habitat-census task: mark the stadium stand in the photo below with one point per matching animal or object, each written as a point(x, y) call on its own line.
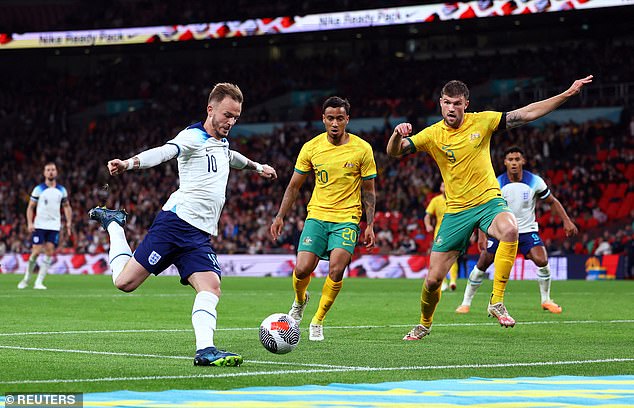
point(62, 114)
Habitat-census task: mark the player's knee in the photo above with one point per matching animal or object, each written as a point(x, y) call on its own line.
point(509, 233)
point(302, 271)
point(125, 285)
point(432, 282)
point(336, 272)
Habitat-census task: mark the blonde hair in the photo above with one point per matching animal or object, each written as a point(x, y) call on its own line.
point(224, 89)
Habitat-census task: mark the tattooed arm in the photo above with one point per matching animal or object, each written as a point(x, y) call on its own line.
point(536, 110)
point(368, 197)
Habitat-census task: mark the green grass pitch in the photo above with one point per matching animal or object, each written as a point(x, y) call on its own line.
point(82, 335)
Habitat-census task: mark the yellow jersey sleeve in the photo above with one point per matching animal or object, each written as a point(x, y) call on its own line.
point(421, 140)
point(303, 164)
point(432, 207)
point(368, 165)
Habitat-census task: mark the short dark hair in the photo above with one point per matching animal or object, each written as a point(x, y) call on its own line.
point(455, 89)
point(336, 102)
point(514, 149)
point(223, 89)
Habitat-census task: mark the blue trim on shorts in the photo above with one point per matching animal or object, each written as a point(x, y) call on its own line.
point(526, 242)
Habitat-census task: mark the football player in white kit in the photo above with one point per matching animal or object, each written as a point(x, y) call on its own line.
point(521, 188)
point(44, 221)
point(181, 232)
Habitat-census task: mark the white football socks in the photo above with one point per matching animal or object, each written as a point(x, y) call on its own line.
point(46, 263)
point(543, 277)
point(204, 319)
point(120, 252)
point(475, 280)
point(30, 268)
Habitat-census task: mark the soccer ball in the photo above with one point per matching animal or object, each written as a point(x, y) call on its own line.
point(279, 333)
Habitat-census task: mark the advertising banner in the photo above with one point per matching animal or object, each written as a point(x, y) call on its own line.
point(368, 266)
point(297, 24)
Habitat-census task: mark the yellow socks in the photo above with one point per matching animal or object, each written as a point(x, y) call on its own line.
point(428, 302)
point(300, 285)
point(328, 294)
point(453, 273)
point(503, 261)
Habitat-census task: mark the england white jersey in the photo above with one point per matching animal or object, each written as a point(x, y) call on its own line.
point(203, 167)
point(522, 196)
point(49, 201)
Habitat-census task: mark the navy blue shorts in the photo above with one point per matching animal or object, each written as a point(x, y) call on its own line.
point(42, 236)
point(526, 242)
point(171, 240)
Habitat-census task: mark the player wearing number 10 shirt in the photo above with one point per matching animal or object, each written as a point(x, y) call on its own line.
point(344, 170)
point(181, 232)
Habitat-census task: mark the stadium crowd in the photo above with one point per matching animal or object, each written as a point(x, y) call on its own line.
point(404, 187)
point(48, 117)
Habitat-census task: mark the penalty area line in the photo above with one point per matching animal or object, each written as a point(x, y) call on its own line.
point(324, 370)
point(481, 324)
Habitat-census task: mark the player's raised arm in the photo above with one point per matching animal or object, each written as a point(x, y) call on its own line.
point(536, 110)
point(290, 196)
point(144, 160)
point(397, 146)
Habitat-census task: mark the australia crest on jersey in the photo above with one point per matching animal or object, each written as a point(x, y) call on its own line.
point(154, 258)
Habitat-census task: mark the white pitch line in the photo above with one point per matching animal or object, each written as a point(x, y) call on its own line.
point(95, 332)
point(38, 333)
point(114, 353)
point(328, 370)
point(116, 295)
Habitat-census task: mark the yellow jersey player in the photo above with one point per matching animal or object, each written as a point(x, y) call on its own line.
point(433, 218)
point(460, 146)
point(344, 170)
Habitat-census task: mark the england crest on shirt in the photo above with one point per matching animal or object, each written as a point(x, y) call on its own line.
point(154, 258)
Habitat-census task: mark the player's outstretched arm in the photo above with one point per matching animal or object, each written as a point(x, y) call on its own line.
point(241, 162)
point(569, 227)
point(397, 146)
point(143, 160)
point(368, 197)
point(536, 110)
point(290, 196)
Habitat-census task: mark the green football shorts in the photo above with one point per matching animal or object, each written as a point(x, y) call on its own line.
point(456, 228)
point(321, 237)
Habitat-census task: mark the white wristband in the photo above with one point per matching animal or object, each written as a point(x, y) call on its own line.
point(130, 164)
point(259, 168)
